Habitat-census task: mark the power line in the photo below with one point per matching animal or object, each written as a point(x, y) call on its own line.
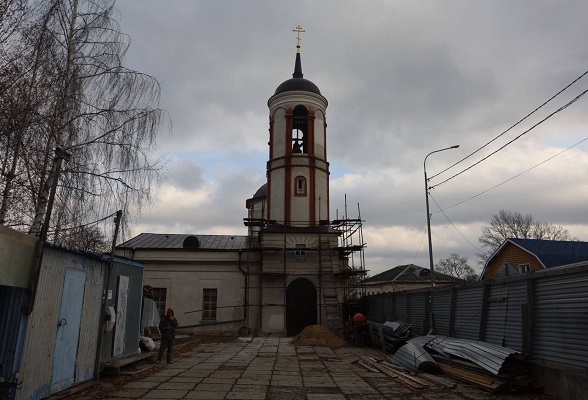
point(452, 224)
point(88, 224)
point(517, 123)
point(511, 178)
point(578, 97)
point(419, 248)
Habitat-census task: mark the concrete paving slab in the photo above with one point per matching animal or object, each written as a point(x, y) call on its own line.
point(130, 393)
point(177, 386)
point(205, 395)
point(165, 394)
point(271, 368)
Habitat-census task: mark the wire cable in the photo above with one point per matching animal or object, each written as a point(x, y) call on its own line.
point(517, 123)
point(511, 178)
point(419, 248)
point(578, 97)
point(88, 224)
point(452, 224)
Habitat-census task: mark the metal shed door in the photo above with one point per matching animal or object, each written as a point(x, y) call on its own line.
point(68, 329)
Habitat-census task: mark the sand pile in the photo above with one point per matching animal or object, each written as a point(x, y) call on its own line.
point(316, 335)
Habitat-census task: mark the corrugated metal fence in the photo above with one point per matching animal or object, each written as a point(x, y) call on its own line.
point(543, 314)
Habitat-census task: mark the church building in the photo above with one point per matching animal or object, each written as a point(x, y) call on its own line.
point(293, 267)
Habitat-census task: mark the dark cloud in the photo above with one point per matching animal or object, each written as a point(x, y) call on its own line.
point(402, 79)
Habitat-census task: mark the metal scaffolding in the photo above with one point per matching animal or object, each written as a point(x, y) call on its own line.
point(351, 253)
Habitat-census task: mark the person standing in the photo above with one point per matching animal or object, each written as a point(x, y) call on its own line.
point(167, 327)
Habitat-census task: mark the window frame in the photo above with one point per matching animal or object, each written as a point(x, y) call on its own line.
point(209, 304)
point(300, 186)
point(524, 268)
point(300, 252)
point(159, 296)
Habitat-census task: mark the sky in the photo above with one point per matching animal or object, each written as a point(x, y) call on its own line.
point(403, 79)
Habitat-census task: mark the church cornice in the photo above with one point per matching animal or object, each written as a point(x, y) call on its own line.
point(291, 99)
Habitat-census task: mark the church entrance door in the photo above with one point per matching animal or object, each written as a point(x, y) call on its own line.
point(300, 306)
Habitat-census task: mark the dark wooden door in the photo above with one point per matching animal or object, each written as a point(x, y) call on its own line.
point(300, 306)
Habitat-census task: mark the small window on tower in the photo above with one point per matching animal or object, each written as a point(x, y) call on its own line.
point(300, 252)
point(300, 183)
point(299, 128)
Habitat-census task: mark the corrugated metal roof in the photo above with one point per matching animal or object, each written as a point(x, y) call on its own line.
point(176, 241)
point(409, 273)
point(489, 356)
point(553, 253)
point(414, 357)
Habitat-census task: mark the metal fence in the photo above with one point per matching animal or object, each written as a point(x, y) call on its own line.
point(543, 314)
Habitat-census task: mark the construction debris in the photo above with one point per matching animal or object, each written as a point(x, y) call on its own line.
point(415, 358)
point(390, 335)
point(316, 335)
point(489, 356)
point(410, 380)
point(488, 366)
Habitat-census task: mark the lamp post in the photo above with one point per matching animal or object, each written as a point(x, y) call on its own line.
point(429, 214)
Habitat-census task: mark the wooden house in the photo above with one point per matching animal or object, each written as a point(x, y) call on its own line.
point(518, 256)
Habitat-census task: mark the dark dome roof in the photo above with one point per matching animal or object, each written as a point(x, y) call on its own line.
point(300, 84)
point(297, 82)
point(261, 192)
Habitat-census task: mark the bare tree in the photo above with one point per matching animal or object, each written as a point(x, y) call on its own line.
point(512, 224)
point(78, 96)
point(456, 265)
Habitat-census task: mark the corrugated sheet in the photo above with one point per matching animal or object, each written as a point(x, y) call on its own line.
point(503, 320)
point(468, 312)
point(413, 357)
point(442, 310)
point(488, 356)
point(559, 312)
point(417, 312)
point(400, 307)
point(13, 321)
point(561, 319)
point(376, 308)
point(388, 305)
point(36, 372)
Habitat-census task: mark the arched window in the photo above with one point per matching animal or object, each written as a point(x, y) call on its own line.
point(299, 130)
point(300, 186)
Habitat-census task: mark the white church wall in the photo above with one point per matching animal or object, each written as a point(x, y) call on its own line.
point(185, 275)
point(277, 191)
point(280, 134)
point(319, 134)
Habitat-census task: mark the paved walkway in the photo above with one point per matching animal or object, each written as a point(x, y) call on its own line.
point(273, 369)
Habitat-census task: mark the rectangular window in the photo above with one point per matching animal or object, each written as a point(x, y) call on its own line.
point(160, 297)
point(300, 252)
point(209, 304)
point(524, 268)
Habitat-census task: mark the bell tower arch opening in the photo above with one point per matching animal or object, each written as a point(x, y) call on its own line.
point(300, 130)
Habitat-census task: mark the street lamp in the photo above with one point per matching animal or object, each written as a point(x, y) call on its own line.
point(429, 214)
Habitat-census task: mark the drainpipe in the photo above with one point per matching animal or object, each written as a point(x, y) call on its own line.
point(246, 294)
point(260, 330)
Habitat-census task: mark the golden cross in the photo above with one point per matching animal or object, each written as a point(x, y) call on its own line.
point(298, 30)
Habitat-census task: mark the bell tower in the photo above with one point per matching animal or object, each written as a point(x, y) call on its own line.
point(297, 170)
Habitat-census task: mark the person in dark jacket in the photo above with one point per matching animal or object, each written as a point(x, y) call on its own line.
point(167, 327)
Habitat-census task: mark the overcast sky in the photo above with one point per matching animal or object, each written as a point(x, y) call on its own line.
point(403, 78)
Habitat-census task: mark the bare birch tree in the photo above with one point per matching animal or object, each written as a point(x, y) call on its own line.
point(82, 99)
